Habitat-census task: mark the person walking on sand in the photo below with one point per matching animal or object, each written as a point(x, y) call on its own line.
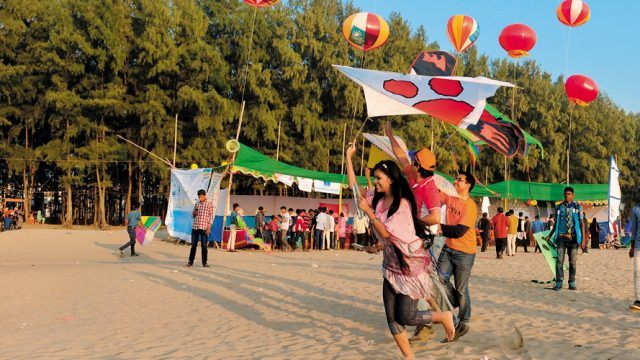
point(567, 232)
point(536, 227)
point(500, 224)
point(512, 233)
point(399, 232)
point(133, 220)
point(634, 251)
point(202, 221)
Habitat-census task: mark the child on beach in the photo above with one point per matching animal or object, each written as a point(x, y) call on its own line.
point(133, 220)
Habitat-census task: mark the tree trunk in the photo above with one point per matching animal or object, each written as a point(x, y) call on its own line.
point(26, 193)
point(140, 183)
point(69, 202)
point(101, 220)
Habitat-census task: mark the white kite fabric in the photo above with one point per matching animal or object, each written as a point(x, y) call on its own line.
point(383, 143)
point(456, 100)
point(615, 195)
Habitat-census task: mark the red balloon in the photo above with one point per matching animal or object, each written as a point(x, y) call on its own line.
point(581, 89)
point(517, 40)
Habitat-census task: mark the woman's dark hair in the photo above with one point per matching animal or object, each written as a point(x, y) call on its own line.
point(400, 189)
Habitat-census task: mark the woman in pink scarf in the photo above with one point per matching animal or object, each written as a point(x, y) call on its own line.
point(391, 209)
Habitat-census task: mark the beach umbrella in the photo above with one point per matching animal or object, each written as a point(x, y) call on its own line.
point(517, 40)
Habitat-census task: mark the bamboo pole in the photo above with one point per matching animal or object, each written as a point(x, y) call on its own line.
point(175, 140)
point(344, 139)
point(278, 145)
point(233, 160)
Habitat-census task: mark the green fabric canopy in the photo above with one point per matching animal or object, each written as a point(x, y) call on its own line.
point(251, 162)
point(549, 192)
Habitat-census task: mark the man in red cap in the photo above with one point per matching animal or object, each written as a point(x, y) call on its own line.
point(420, 176)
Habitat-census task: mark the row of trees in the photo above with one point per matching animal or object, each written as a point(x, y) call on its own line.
point(76, 73)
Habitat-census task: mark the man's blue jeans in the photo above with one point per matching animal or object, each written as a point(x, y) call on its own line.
point(565, 245)
point(458, 264)
point(319, 237)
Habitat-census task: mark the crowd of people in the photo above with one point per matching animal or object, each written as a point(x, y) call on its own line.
point(313, 229)
point(13, 219)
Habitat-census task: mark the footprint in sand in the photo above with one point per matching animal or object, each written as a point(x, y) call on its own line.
point(512, 342)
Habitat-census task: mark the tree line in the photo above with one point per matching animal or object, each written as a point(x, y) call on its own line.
point(77, 73)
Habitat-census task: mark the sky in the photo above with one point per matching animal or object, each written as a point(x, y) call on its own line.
point(606, 48)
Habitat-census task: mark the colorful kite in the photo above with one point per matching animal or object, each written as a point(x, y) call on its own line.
point(458, 101)
point(146, 232)
point(433, 63)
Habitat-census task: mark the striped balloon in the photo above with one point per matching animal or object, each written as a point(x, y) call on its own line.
point(573, 12)
point(260, 3)
point(463, 31)
point(365, 31)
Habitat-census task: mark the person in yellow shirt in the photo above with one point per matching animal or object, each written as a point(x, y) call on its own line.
point(512, 233)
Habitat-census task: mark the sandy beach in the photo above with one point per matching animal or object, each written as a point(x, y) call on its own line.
point(66, 296)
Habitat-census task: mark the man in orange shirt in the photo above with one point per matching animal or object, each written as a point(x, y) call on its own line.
point(459, 252)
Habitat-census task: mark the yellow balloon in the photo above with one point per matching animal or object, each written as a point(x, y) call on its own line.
point(534, 202)
point(224, 163)
point(194, 166)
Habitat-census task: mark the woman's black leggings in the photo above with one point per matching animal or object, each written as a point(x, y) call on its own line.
point(402, 310)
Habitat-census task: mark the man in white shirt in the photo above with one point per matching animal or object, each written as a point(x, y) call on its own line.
point(320, 223)
point(332, 230)
point(285, 221)
point(360, 225)
point(327, 219)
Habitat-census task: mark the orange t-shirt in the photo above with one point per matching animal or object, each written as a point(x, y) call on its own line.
point(463, 212)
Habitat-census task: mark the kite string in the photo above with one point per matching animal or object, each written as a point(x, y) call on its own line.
point(246, 67)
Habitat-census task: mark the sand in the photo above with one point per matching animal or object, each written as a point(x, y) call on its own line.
point(66, 296)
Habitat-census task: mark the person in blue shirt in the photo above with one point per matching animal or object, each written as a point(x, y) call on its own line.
point(536, 227)
point(634, 252)
point(133, 220)
point(567, 232)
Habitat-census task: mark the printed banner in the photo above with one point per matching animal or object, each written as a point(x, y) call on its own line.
point(305, 184)
point(326, 187)
point(184, 194)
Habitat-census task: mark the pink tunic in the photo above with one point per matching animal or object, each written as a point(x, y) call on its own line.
point(414, 281)
point(342, 227)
